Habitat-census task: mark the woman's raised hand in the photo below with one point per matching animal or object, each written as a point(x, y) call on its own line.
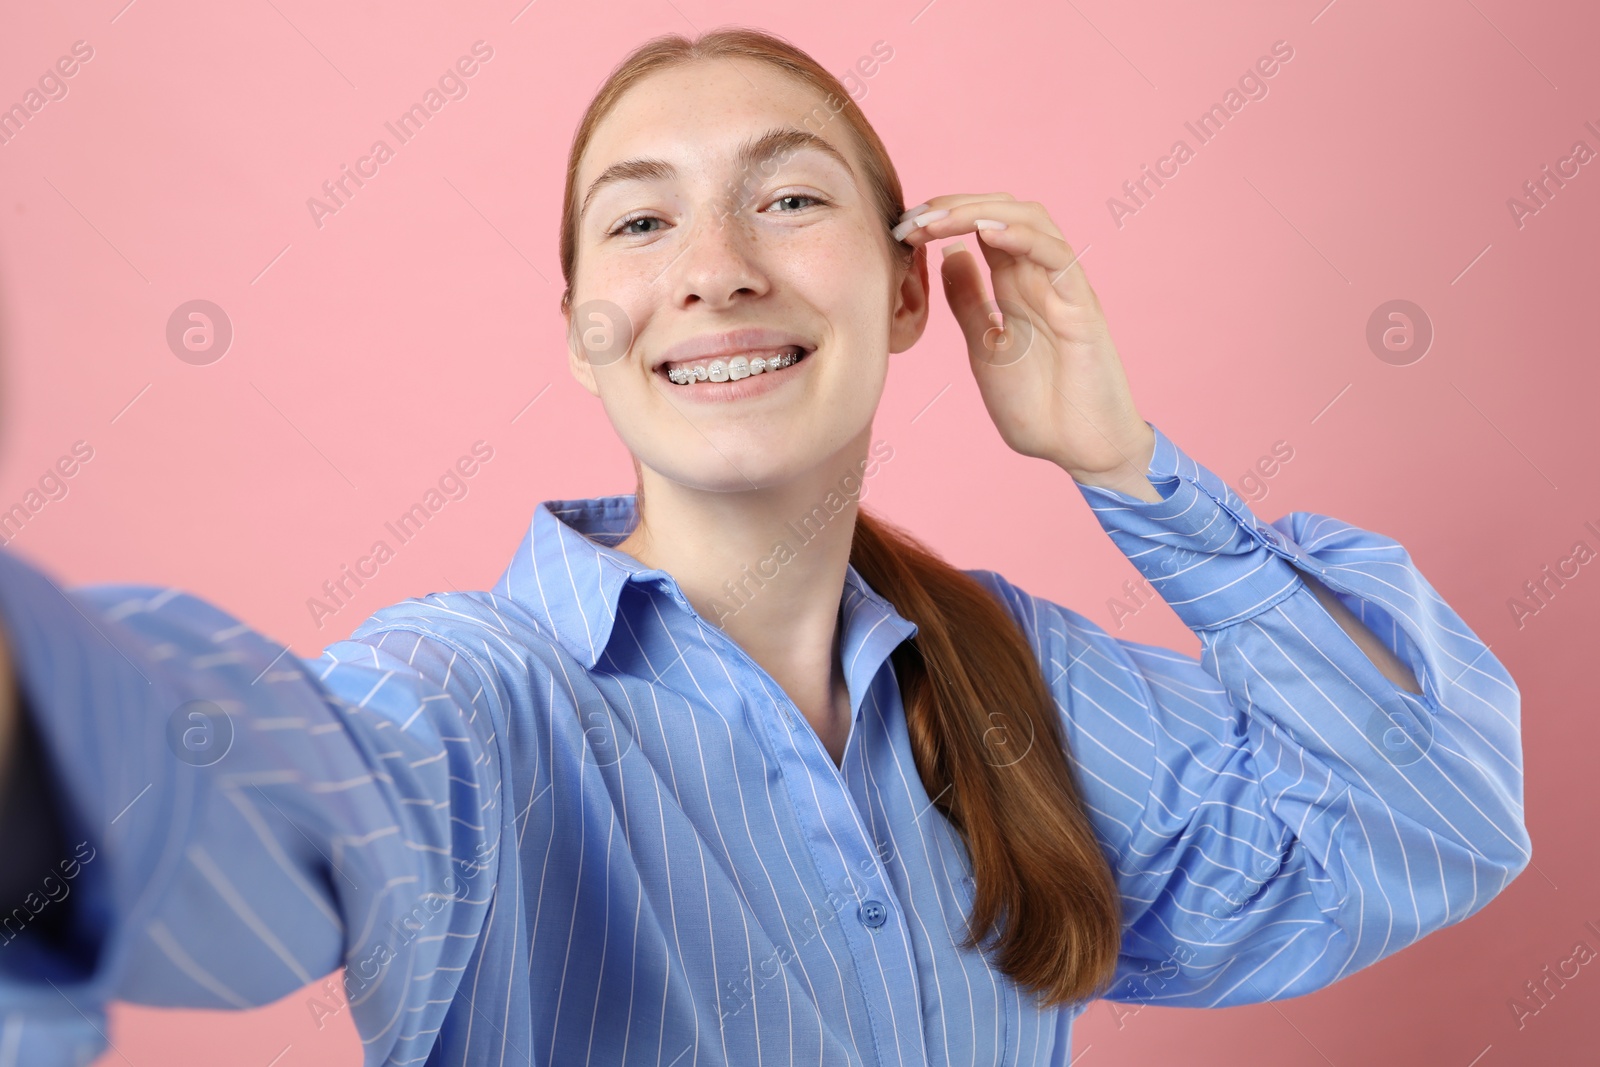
point(1051, 379)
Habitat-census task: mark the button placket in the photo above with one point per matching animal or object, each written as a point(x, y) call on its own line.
point(858, 874)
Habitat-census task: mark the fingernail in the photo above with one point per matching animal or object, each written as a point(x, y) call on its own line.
point(952, 248)
point(930, 216)
point(904, 228)
point(988, 224)
point(910, 211)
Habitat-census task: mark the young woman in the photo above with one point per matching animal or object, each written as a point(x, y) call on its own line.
point(726, 771)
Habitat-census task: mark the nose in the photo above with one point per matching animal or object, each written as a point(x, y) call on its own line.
point(720, 260)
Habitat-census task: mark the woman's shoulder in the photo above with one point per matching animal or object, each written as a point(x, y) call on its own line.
point(1023, 605)
point(493, 630)
point(1054, 629)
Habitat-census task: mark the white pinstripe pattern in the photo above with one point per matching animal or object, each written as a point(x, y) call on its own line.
point(568, 821)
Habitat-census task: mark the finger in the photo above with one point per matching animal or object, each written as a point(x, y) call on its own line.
point(958, 219)
point(965, 293)
point(947, 203)
point(949, 200)
point(919, 226)
point(1049, 252)
point(1069, 282)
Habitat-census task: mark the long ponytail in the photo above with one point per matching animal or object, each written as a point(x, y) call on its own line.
point(989, 748)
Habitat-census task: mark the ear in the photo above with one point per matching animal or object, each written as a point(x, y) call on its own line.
point(910, 315)
point(577, 361)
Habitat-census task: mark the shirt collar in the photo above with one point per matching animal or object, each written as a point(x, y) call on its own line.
point(568, 575)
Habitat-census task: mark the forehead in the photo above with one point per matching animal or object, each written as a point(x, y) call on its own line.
point(702, 111)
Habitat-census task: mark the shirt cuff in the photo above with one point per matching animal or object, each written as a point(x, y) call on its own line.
point(1200, 546)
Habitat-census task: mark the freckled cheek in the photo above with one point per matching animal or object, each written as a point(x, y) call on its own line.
point(854, 310)
point(615, 299)
point(830, 279)
point(614, 281)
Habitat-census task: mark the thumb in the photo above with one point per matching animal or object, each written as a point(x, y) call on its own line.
point(964, 292)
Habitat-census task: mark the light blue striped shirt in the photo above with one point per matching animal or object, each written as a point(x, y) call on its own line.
point(569, 821)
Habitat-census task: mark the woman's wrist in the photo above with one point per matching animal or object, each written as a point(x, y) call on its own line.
point(1134, 485)
point(1131, 476)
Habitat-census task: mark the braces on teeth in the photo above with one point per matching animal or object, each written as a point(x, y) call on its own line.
point(731, 370)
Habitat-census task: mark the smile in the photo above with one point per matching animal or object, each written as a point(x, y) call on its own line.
point(740, 366)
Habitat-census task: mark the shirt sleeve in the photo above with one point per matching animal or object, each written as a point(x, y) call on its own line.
point(241, 822)
point(1277, 813)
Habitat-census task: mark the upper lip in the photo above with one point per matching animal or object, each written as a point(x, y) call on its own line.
point(729, 343)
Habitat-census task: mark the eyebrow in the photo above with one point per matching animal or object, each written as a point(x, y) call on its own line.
point(782, 140)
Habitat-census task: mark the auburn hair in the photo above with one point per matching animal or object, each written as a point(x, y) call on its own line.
point(969, 676)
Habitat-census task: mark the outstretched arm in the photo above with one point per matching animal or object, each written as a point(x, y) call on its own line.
point(31, 836)
point(9, 714)
point(239, 822)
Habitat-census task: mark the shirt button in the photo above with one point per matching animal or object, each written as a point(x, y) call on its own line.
point(1271, 536)
point(872, 912)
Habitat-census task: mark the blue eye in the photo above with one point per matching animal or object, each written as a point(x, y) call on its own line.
point(798, 196)
point(629, 222)
point(622, 227)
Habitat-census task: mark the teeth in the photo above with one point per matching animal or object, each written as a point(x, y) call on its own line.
point(720, 370)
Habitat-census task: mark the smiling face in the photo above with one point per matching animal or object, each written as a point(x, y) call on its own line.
point(692, 242)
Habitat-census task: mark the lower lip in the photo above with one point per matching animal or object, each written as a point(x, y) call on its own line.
point(748, 386)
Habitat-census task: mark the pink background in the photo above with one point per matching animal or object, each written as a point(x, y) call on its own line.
point(371, 352)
